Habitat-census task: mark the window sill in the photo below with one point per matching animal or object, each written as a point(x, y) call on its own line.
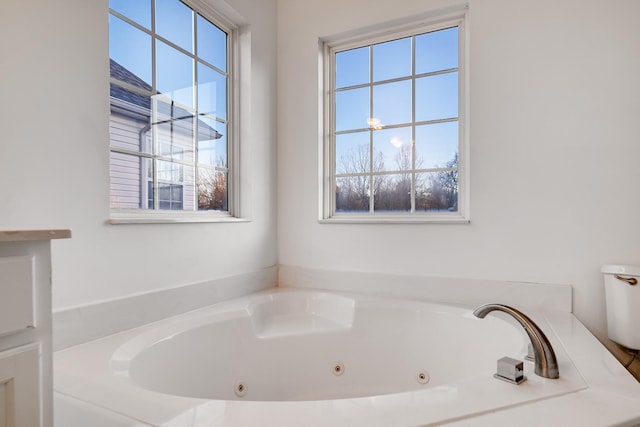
point(394, 219)
point(164, 217)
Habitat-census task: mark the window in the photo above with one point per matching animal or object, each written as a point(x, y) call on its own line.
point(394, 126)
point(171, 125)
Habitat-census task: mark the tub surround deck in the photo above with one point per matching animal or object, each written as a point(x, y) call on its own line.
point(447, 290)
point(76, 325)
point(594, 389)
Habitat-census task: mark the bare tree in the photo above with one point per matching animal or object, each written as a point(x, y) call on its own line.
point(393, 192)
point(448, 181)
point(440, 191)
point(396, 195)
point(353, 192)
point(212, 190)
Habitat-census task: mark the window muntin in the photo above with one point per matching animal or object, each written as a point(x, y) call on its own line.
point(170, 103)
point(395, 130)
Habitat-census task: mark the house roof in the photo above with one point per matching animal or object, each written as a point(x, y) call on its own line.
point(124, 75)
point(137, 105)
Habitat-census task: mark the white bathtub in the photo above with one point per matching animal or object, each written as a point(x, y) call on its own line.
point(294, 358)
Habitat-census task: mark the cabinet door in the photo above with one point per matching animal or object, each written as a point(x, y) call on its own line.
point(20, 387)
point(16, 294)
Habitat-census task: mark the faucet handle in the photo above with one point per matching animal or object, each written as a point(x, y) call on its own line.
point(510, 370)
point(531, 356)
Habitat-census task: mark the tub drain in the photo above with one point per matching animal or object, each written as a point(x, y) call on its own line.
point(240, 389)
point(423, 377)
point(337, 369)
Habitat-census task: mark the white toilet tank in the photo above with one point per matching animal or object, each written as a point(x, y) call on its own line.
point(622, 293)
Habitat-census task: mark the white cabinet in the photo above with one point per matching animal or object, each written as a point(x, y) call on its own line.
point(20, 400)
point(26, 380)
point(17, 308)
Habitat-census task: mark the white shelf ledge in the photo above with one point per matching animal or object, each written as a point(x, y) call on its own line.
point(31, 235)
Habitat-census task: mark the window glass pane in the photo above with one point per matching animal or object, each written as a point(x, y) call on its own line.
point(392, 103)
point(170, 172)
point(130, 48)
point(394, 145)
point(129, 120)
point(437, 51)
point(437, 145)
point(392, 59)
point(174, 74)
point(171, 151)
point(190, 195)
point(212, 142)
point(212, 44)
point(212, 189)
point(170, 196)
point(392, 193)
point(125, 171)
point(212, 92)
point(352, 67)
point(437, 97)
point(352, 109)
point(174, 130)
point(136, 10)
point(168, 112)
point(437, 191)
point(150, 195)
point(352, 153)
point(174, 22)
point(352, 194)
point(176, 186)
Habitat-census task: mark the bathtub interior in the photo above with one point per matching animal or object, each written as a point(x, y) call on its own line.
point(301, 347)
point(298, 314)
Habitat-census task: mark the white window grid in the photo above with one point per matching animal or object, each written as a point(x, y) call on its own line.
point(154, 156)
point(329, 176)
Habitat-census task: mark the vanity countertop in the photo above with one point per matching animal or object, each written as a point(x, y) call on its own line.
point(31, 235)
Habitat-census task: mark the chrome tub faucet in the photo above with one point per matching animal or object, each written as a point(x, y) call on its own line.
point(546, 364)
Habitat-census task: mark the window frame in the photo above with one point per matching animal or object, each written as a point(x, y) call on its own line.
point(328, 47)
point(233, 212)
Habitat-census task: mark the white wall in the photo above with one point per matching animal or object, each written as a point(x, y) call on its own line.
point(54, 158)
point(555, 102)
point(555, 119)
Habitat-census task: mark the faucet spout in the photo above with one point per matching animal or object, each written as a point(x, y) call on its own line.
point(546, 364)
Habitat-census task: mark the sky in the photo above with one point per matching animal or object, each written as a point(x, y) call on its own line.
point(375, 84)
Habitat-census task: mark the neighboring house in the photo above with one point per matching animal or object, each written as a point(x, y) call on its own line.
point(148, 130)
